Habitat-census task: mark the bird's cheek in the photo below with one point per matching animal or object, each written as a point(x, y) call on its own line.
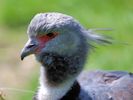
point(42, 40)
point(40, 47)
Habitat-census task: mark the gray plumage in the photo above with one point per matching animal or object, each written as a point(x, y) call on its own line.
point(103, 85)
point(63, 57)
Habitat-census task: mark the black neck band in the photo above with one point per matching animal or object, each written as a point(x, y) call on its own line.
point(73, 93)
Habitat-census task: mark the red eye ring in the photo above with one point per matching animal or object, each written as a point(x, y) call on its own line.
point(47, 37)
point(43, 39)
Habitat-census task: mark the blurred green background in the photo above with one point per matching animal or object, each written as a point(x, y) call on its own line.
point(15, 16)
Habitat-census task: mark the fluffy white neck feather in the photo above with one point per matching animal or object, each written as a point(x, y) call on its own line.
point(47, 92)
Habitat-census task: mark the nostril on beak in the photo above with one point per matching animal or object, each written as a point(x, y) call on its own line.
point(30, 46)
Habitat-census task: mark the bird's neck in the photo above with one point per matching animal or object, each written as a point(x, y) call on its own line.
point(59, 72)
point(48, 92)
point(59, 69)
point(66, 91)
point(58, 75)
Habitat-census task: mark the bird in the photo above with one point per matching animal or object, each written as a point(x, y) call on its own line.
point(61, 45)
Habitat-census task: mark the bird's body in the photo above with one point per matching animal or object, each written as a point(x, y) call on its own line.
point(111, 85)
point(61, 45)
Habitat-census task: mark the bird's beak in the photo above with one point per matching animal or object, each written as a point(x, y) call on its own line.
point(28, 49)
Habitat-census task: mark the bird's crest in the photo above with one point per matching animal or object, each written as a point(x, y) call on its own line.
point(95, 37)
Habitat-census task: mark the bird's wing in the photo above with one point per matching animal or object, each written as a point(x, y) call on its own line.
point(102, 85)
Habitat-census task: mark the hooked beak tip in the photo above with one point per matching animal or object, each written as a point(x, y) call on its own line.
point(29, 48)
point(22, 57)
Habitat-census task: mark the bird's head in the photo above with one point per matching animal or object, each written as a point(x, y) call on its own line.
point(53, 32)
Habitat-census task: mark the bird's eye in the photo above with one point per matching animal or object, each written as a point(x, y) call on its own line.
point(47, 37)
point(50, 34)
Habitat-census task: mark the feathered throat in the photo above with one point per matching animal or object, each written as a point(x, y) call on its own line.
point(59, 68)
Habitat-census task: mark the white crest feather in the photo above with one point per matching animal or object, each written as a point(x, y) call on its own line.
point(93, 36)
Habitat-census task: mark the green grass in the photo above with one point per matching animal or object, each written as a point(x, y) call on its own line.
point(116, 14)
